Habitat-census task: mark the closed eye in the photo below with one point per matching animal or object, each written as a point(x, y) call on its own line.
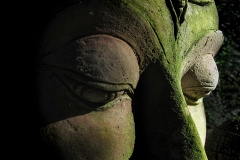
point(95, 95)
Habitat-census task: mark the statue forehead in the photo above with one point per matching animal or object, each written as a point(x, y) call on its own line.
point(149, 27)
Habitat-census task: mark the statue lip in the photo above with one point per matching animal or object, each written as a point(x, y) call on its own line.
point(192, 100)
point(194, 94)
point(208, 88)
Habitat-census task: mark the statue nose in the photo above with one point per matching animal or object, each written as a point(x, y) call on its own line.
point(164, 126)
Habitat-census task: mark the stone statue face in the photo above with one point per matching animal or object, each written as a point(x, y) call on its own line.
point(126, 79)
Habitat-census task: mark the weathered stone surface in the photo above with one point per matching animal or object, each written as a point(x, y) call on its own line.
point(97, 135)
point(96, 54)
point(223, 142)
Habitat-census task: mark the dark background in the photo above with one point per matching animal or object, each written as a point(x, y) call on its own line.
point(224, 102)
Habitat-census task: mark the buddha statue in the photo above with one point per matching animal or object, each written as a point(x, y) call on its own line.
point(125, 79)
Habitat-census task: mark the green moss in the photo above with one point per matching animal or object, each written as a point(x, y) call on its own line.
point(199, 20)
point(175, 39)
point(155, 13)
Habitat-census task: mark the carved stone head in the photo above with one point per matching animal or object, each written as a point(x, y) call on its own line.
point(125, 79)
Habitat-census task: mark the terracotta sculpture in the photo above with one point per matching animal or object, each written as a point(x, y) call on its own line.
point(125, 79)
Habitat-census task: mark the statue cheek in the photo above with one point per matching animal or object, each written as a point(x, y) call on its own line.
point(198, 116)
point(104, 135)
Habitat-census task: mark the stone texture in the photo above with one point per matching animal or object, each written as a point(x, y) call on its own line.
point(95, 54)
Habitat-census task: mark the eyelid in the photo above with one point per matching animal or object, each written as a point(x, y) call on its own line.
point(91, 96)
point(102, 61)
point(107, 59)
point(96, 95)
point(70, 76)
